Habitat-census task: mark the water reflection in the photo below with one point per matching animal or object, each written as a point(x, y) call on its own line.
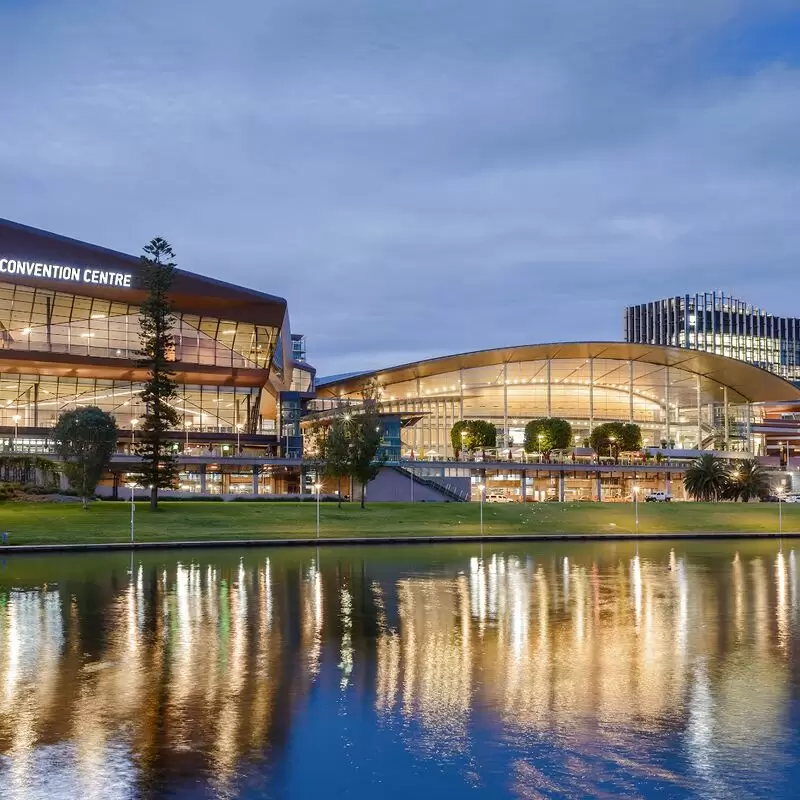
point(532, 672)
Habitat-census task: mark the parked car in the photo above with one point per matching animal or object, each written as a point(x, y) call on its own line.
point(498, 498)
point(792, 498)
point(658, 497)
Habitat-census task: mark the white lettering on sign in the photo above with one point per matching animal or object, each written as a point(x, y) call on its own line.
point(35, 269)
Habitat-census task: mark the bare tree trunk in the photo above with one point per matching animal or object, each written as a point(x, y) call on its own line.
point(85, 503)
point(154, 498)
point(339, 490)
point(363, 494)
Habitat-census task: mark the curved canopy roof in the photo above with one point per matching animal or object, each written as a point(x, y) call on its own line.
point(749, 382)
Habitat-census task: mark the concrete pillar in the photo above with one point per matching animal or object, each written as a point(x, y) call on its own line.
point(699, 416)
point(599, 489)
point(666, 400)
point(522, 485)
point(630, 390)
point(202, 479)
point(725, 415)
point(549, 392)
point(591, 395)
point(505, 404)
point(561, 487)
point(256, 472)
point(461, 394)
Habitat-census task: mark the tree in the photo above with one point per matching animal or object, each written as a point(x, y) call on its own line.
point(473, 434)
point(547, 434)
point(748, 481)
point(616, 437)
point(156, 320)
point(335, 450)
point(85, 439)
point(364, 438)
point(458, 436)
point(706, 478)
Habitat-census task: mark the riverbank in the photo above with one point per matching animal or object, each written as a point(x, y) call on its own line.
point(108, 523)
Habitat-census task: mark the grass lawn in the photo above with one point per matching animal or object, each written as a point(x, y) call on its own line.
point(44, 523)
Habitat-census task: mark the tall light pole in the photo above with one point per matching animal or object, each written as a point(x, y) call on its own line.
point(317, 487)
point(16, 419)
point(611, 440)
point(779, 492)
point(540, 437)
point(238, 437)
point(134, 423)
point(481, 489)
point(636, 506)
point(133, 510)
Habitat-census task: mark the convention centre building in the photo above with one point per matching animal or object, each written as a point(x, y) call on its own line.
point(69, 336)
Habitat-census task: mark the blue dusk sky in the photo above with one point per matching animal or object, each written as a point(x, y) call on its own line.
point(419, 177)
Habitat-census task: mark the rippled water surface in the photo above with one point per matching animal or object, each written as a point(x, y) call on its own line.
point(522, 671)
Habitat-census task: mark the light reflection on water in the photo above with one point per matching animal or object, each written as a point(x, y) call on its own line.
point(542, 671)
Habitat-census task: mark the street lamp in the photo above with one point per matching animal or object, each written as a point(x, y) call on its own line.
point(133, 509)
point(611, 440)
point(779, 493)
point(540, 437)
point(482, 490)
point(317, 487)
point(134, 423)
point(16, 419)
point(636, 506)
point(238, 437)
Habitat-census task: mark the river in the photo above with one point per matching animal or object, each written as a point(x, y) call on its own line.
point(526, 671)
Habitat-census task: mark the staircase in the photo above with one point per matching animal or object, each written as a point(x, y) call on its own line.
point(436, 484)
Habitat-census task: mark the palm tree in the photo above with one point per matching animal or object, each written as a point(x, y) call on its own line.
point(706, 478)
point(748, 481)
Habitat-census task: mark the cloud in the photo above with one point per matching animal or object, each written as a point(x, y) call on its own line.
point(419, 178)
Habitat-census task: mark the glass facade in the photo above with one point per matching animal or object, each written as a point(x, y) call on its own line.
point(673, 407)
point(717, 323)
point(40, 320)
point(35, 401)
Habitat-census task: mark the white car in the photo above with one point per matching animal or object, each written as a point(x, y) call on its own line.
point(792, 498)
point(498, 498)
point(658, 497)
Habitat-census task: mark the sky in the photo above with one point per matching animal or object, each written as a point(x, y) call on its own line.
point(419, 177)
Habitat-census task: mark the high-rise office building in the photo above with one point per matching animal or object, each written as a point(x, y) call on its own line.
point(717, 323)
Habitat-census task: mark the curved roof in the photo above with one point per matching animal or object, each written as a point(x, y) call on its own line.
point(751, 383)
point(190, 293)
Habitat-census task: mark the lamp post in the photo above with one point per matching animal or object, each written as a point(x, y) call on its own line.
point(611, 440)
point(779, 493)
point(636, 506)
point(317, 487)
point(133, 510)
point(134, 423)
point(16, 419)
point(238, 437)
point(481, 489)
point(540, 437)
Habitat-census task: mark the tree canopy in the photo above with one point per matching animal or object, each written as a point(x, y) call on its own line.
point(85, 439)
point(547, 434)
point(747, 481)
point(616, 437)
point(707, 478)
point(473, 434)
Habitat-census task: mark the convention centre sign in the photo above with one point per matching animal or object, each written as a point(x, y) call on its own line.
point(56, 272)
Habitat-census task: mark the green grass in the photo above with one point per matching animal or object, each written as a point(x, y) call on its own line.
point(45, 523)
